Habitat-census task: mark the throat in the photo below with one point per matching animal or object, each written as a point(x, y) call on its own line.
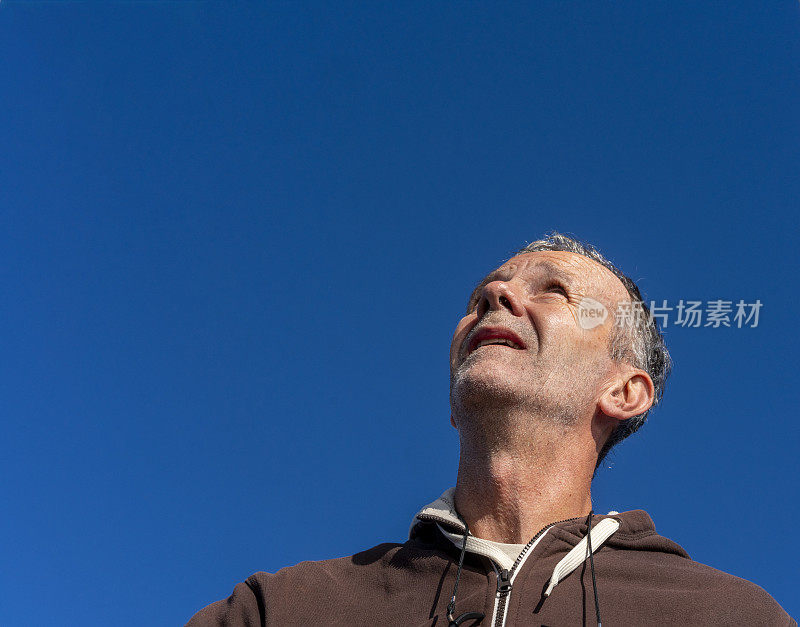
point(508, 498)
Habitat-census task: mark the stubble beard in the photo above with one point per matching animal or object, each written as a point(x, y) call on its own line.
point(496, 407)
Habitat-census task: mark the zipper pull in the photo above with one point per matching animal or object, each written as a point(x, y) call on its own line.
point(504, 582)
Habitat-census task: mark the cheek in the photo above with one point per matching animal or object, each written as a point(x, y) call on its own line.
point(562, 332)
point(593, 349)
point(462, 330)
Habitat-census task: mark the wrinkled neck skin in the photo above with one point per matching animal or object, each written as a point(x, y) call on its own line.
point(520, 472)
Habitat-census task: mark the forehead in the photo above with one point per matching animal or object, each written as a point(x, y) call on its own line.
point(577, 270)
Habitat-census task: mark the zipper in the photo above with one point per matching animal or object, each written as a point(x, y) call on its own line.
point(503, 591)
point(505, 578)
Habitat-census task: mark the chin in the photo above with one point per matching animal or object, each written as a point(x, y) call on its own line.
point(484, 382)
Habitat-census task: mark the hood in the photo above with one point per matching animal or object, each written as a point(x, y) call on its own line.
point(442, 511)
point(636, 530)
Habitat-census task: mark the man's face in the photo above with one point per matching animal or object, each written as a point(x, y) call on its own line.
point(524, 341)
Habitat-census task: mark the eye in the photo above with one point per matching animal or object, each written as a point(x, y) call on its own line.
point(556, 288)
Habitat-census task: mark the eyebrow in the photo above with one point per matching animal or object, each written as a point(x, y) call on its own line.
point(554, 271)
point(549, 269)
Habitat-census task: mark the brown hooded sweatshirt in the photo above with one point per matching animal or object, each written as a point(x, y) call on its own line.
point(641, 578)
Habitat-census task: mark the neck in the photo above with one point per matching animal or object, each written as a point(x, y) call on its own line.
point(509, 488)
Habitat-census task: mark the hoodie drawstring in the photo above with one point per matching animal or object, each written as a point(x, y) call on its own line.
point(451, 607)
point(591, 561)
point(580, 552)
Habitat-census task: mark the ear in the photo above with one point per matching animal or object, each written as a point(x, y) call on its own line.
point(629, 394)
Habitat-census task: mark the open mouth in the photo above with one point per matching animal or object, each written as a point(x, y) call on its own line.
point(497, 343)
point(493, 336)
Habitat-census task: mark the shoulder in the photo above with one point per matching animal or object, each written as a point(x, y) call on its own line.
point(329, 569)
point(315, 586)
point(734, 599)
point(366, 564)
point(705, 595)
point(332, 591)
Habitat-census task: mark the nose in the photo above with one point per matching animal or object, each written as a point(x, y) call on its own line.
point(499, 295)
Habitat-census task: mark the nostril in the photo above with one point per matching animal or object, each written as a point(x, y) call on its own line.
point(506, 303)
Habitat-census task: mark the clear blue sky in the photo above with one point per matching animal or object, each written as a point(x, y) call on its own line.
point(236, 238)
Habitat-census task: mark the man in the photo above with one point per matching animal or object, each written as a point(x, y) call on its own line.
point(543, 383)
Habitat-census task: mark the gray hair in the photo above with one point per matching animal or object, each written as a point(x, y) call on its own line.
point(639, 344)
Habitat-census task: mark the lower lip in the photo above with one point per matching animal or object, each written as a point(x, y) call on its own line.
point(496, 346)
